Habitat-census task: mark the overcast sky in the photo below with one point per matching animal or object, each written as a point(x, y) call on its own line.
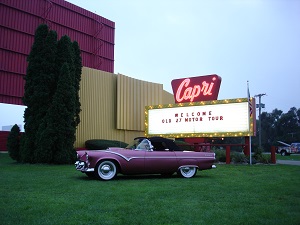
point(240, 40)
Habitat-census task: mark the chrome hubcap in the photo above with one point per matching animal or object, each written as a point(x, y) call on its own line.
point(106, 169)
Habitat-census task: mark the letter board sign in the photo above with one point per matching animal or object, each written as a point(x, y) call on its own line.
point(218, 118)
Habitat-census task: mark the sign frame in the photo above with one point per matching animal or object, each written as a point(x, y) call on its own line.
point(250, 131)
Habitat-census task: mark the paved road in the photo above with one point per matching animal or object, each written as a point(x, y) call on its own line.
point(288, 162)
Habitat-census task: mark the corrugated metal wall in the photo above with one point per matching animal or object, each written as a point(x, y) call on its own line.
point(18, 22)
point(168, 98)
point(113, 106)
point(3, 140)
point(98, 94)
point(132, 97)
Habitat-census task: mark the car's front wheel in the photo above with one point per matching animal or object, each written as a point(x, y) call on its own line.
point(187, 171)
point(106, 170)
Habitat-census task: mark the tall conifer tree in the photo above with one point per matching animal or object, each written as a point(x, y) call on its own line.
point(61, 117)
point(34, 69)
point(46, 89)
point(78, 71)
point(52, 100)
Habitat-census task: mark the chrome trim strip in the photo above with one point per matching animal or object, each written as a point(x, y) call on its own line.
point(122, 156)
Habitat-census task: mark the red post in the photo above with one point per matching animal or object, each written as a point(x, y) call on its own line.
point(273, 154)
point(247, 146)
point(227, 154)
point(197, 147)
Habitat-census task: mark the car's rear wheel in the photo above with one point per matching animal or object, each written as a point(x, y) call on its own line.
point(106, 170)
point(283, 153)
point(187, 171)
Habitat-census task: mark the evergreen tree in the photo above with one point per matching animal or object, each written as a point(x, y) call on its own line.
point(78, 71)
point(61, 118)
point(34, 69)
point(52, 100)
point(65, 54)
point(46, 88)
point(13, 143)
point(68, 55)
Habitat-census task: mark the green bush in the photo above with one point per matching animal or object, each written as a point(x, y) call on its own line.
point(237, 157)
point(220, 155)
point(259, 157)
point(100, 144)
point(262, 158)
point(13, 143)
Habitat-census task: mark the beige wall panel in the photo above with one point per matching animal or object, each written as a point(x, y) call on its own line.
point(98, 104)
point(113, 106)
point(97, 94)
point(132, 97)
point(168, 98)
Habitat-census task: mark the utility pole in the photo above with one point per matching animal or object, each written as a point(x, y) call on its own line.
point(259, 106)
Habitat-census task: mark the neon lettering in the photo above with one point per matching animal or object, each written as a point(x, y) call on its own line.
point(184, 92)
point(206, 88)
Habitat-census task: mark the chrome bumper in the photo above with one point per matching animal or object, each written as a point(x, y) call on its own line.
point(81, 166)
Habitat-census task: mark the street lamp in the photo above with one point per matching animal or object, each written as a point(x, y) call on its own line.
point(259, 106)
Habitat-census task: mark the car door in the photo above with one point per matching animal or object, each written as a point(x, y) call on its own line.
point(133, 161)
point(162, 162)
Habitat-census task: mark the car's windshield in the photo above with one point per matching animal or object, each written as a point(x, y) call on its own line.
point(140, 144)
point(133, 144)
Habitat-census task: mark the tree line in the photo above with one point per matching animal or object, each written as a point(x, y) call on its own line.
point(51, 94)
point(275, 126)
point(279, 126)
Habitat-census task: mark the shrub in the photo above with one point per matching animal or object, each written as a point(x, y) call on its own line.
point(238, 157)
point(13, 143)
point(220, 155)
point(98, 144)
point(260, 157)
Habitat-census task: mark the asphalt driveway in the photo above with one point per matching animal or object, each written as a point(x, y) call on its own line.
point(288, 162)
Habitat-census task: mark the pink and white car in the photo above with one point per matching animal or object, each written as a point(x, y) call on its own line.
point(153, 155)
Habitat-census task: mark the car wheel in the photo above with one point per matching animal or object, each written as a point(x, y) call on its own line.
point(187, 171)
point(106, 170)
point(283, 153)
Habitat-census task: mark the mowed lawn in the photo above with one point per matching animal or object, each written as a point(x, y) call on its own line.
point(229, 194)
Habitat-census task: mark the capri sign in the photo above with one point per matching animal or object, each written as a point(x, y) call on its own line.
point(195, 89)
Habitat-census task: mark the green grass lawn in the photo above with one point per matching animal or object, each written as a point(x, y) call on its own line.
point(230, 194)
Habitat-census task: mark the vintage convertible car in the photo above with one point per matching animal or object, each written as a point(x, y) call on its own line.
point(153, 155)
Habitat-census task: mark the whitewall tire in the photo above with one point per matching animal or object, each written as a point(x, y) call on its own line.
point(106, 170)
point(187, 171)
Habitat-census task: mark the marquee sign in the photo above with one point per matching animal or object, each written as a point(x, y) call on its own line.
point(219, 118)
point(195, 89)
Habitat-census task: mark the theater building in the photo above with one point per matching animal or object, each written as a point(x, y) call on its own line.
point(113, 105)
